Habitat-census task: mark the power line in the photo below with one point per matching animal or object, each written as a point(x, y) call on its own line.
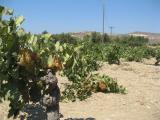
point(111, 29)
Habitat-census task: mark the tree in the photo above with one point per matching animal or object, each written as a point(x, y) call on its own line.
point(106, 38)
point(96, 37)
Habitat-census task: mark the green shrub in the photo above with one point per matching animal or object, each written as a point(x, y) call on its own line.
point(96, 37)
point(64, 38)
point(132, 41)
point(111, 84)
point(149, 52)
point(113, 54)
point(134, 54)
point(157, 56)
point(91, 84)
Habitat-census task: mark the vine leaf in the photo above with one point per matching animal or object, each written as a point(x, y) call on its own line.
point(19, 20)
point(5, 11)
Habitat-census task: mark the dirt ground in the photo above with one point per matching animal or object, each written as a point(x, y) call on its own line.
point(142, 102)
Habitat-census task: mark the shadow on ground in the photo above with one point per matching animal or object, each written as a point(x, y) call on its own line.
point(80, 118)
point(35, 112)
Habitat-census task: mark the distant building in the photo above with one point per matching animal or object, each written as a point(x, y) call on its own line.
point(80, 34)
point(154, 38)
point(140, 34)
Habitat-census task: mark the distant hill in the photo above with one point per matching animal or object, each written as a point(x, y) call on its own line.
point(154, 38)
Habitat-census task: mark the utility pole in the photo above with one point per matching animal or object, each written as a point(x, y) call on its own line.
point(111, 30)
point(103, 23)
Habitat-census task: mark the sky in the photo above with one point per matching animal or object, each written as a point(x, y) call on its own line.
point(57, 16)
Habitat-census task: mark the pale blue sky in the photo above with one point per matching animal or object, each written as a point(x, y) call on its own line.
point(58, 16)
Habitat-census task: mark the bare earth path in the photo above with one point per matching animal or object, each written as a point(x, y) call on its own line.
point(141, 103)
